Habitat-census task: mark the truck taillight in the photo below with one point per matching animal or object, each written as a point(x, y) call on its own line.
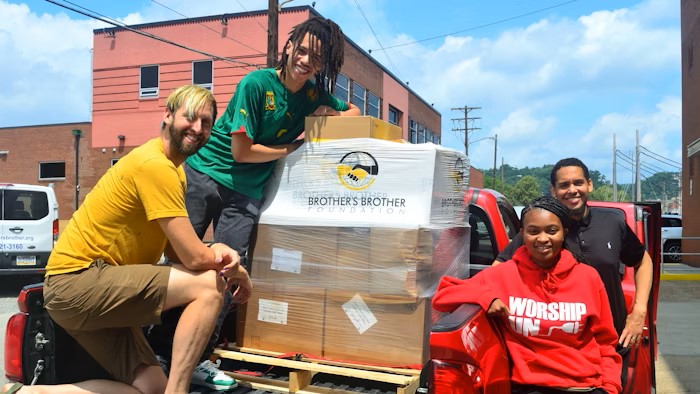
point(55, 231)
point(14, 334)
point(454, 378)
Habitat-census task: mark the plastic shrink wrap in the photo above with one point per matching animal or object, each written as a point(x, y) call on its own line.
point(353, 237)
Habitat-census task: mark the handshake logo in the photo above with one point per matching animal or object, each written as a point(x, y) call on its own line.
point(357, 170)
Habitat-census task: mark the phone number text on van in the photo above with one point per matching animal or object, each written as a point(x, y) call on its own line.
point(11, 246)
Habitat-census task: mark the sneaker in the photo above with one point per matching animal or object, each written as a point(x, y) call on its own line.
point(208, 374)
point(163, 364)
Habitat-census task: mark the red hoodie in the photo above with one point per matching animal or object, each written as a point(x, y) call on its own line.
point(560, 330)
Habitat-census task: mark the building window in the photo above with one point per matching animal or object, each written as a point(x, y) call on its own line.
point(342, 88)
point(149, 82)
point(436, 138)
point(412, 131)
point(202, 74)
point(52, 170)
point(421, 133)
point(394, 116)
point(358, 96)
point(373, 105)
point(428, 135)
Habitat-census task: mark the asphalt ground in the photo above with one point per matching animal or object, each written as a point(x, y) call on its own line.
point(678, 319)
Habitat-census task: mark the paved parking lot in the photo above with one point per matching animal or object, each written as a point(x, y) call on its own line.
point(678, 366)
point(678, 319)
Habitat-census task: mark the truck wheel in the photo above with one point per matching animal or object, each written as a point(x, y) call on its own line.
point(671, 248)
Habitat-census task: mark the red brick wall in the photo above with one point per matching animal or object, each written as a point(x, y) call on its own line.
point(690, 178)
point(476, 178)
point(30, 145)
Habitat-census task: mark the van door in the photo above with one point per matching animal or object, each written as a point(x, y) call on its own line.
point(27, 229)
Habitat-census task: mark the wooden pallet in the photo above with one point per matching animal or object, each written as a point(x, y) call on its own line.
point(302, 370)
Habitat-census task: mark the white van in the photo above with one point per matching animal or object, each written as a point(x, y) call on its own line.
point(28, 228)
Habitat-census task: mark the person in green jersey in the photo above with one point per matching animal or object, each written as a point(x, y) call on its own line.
point(261, 124)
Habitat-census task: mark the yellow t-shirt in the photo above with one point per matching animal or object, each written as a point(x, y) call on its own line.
point(116, 222)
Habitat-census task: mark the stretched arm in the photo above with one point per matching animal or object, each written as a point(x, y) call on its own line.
point(325, 110)
point(185, 247)
point(632, 333)
point(453, 292)
point(245, 151)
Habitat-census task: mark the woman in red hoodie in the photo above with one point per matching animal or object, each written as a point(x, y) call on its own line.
point(553, 311)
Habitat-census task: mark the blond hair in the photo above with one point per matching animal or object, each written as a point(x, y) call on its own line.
point(193, 98)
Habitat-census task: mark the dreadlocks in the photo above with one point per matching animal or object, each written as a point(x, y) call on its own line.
point(332, 41)
point(554, 206)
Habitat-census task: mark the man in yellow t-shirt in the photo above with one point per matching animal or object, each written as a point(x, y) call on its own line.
point(102, 283)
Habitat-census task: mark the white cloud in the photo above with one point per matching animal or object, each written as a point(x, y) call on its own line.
point(540, 86)
point(48, 59)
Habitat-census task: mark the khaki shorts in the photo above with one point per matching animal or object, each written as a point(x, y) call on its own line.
point(104, 306)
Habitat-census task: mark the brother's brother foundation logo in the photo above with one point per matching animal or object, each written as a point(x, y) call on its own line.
point(460, 174)
point(357, 170)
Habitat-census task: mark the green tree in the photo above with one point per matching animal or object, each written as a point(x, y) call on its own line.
point(601, 193)
point(525, 190)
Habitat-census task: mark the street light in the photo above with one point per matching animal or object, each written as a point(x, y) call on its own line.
point(495, 154)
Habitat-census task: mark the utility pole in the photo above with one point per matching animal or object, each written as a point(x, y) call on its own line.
point(272, 27)
point(638, 183)
point(614, 172)
point(495, 149)
point(466, 129)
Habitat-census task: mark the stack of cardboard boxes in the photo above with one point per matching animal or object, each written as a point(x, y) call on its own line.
point(353, 238)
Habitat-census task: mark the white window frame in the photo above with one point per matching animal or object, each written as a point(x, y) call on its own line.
point(149, 91)
point(41, 163)
point(412, 131)
point(360, 100)
point(372, 109)
point(344, 88)
point(207, 85)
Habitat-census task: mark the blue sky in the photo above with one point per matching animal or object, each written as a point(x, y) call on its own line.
point(553, 78)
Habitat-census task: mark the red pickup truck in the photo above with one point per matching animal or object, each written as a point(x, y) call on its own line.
point(468, 354)
point(467, 351)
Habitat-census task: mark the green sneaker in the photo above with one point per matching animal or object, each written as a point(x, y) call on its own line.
point(208, 374)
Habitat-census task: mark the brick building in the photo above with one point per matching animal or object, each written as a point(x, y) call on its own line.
point(133, 74)
point(46, 155)
point(690, 34)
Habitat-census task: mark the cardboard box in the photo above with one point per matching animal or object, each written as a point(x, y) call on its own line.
point(352, 259)
point(410, 262)
point(295, 255)
point(340, 127)
point(285, 319)
point(377, 329)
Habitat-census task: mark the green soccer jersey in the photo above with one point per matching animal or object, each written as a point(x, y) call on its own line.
point(269, 114)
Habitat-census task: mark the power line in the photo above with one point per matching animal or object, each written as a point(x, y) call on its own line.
point(662, 158)
point(201, 24)
point(245, 9)
point(377, 38)
point(482, 26)
point(658, 169)
point(112, 22)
